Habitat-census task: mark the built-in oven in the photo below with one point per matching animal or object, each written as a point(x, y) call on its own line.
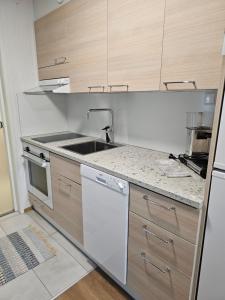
point(38, 173)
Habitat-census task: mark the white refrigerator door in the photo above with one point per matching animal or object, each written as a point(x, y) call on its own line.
point(220, 151)
point(212, 283)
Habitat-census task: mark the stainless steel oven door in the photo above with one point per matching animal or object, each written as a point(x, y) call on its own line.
point(39, 178)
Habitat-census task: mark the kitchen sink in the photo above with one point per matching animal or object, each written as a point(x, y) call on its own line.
point(89, 147)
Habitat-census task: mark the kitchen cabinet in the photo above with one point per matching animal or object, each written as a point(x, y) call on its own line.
point(67, 198)
point(161, 247)
point(129, 45)
point(192, 44)
point(52, 44)
point(87, 45)
point(135, 33)
point(40, 207)
point(174, 216)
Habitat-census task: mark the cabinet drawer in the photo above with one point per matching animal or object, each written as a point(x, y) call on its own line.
point(68, 206)
point(40, 206)
point(150, 278)
point(175, 217)
point(175, 251)
point(65, 167)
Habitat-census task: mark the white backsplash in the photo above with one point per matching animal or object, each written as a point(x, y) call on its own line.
point(154, 120)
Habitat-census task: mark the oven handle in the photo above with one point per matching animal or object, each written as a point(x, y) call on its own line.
point(42, 163)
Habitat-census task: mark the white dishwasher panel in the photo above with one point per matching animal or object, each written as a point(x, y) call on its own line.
point(105, 220)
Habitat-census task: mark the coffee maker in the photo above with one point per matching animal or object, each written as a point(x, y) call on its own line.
point(198, 141)
point(199, 132)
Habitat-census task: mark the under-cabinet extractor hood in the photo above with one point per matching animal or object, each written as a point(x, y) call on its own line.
point(57, 86)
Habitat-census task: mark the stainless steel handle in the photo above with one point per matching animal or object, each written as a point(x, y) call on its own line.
point(147, 231)
point(111, 86)
point(96, 87)
point(57, 61)
point(41, 164)
point(67, 184)
point(145, 197)
point(166, 83)
point(147, 260)
point(60, 60)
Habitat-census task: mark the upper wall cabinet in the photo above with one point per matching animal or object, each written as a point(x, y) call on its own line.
point(51, 42)
point(135, 33)
point(87, 45)
point(193, 38)
point(130, 45)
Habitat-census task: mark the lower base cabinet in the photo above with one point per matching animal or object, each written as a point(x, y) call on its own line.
point(160, 257)
point(149, 278)
point(68, 206)
point(67, 196)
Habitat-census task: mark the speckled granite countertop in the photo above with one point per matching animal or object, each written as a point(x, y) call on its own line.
point(137, 165)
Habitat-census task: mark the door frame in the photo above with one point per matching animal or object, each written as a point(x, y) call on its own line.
point(4, 117)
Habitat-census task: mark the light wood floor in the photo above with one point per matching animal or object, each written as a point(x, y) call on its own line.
point(95, 286)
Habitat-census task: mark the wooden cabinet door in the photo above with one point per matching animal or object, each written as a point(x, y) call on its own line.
point(87, 45)
point(67, 201)
point(193, 38)
point(135, 33)
point(51, 43)
point(67, 196)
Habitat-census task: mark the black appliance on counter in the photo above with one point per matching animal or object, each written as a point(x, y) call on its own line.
point(198, 162)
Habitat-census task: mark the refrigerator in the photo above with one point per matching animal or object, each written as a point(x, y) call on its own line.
point(212, 273)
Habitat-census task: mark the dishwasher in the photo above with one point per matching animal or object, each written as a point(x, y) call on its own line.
point(105, 201)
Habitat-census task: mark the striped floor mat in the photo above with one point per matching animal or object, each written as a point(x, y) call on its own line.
point(22, 251)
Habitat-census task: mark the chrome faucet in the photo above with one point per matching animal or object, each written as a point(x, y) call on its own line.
point(108, 129)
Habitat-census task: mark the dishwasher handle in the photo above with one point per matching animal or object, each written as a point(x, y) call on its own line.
point(101, 180)
point(107, 180)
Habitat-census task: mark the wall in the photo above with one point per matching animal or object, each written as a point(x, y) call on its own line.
point(19, 72)
point(43, 7)
point(42, 114)
point(154, 120)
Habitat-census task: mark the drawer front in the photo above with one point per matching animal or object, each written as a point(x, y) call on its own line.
point(173, 250)
point(175, 217)
point(149, 278)
point(40, 206)
point(67, 201)
point(65, 167)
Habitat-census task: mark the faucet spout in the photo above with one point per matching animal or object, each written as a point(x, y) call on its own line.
point(111, 127)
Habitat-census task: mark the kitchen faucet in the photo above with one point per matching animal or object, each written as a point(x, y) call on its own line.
point(108, 129)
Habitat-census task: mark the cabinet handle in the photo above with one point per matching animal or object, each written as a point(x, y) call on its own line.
point(60, 60)
point(111, 86)
point(147, 260)
point(57, 61)
point(166, 83)
point(145, 197)
point(96, 87)
point(145, 229)
point(65, 184)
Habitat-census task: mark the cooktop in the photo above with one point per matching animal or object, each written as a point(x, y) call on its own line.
point(58, 137)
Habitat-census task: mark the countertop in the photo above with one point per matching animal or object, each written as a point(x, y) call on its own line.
point(137, 165)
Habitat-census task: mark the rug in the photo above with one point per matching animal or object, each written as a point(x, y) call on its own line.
point(22, 251)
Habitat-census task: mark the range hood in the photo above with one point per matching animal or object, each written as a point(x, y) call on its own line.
point(56, 86)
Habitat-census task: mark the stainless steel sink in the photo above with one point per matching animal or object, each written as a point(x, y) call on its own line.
point(89, 147)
